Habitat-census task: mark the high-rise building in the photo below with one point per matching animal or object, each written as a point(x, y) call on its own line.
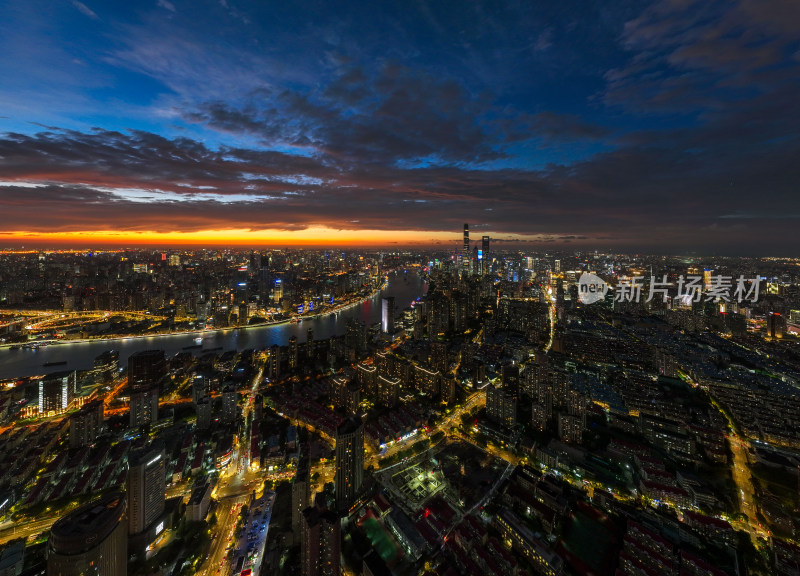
point(356, 336)
point(258, 407)
point(540, 416)
point(707, 279)
point(389, 389)
point(146, 487)
point(106, 366)
point(427, 381)
point(501, 405)
point(330, 538)
point(439, 360)
point(203, 408)
point(293, 353)
point(144, 407)
point(387, 315)
point(367, 378)
point(448, 390)
point(557, 267)
point(229, 404)
point(146, 369)
point(576, 405)
point(310, 344)
point(345, 393)
point(240, 287)
point(85, 425)
point(570, 428)
point(274, 361)
point(320, 542)
point(487, 261)
point(775, 325)
point(349, 462)
point(12, 558)
point(91, 540)
point(56, 392)
point(202, 386)
point(301, 496)
point(385, 361)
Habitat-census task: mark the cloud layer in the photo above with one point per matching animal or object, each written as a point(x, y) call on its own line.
point(677, 130)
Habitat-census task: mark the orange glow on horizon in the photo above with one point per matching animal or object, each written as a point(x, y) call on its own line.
point(312, 236)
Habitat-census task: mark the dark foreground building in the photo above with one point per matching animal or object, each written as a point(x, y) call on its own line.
point(91, 541)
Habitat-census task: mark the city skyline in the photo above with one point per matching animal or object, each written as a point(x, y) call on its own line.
point(316, 413)
point(663, 127)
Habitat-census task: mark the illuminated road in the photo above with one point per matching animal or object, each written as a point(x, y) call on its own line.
point(236, 484)
point(50, 321)
point(227, 516)
point(161, 404)
point(552, 314)
point(109, 398)
point(13, 530)
point(740, 472)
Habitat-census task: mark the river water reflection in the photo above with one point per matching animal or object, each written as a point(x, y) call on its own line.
point(405, 287)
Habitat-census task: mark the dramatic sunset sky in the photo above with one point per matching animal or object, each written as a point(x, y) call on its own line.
point(664, 126)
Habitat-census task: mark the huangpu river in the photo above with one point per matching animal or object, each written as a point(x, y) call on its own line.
point(405, 287)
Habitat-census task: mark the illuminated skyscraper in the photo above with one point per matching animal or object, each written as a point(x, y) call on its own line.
point(146, 487)
point(202, 385)
point(144, 407)
point(387, 315)
point(229, 404)
point(485, 259)
point(240, 292)
point(349, 462)
point(775, 325)
point(56, 391)
point(274, 361)
point(465, 254)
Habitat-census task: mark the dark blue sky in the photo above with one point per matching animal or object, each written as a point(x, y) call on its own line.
point(665, 126)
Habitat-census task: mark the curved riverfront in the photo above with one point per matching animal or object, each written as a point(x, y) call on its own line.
point(80, 355)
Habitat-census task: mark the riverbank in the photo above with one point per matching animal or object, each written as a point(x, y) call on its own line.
point(297, 318)
point(80, 355)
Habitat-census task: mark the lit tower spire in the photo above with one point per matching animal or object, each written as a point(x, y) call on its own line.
point(465, 255)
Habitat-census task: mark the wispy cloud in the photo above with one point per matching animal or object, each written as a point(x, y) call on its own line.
point(85, 10)
point(167, 5)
